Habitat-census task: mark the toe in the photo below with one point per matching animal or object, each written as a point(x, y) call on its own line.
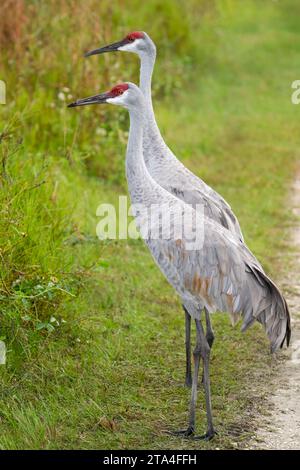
point(205, 437)
point(183, 432)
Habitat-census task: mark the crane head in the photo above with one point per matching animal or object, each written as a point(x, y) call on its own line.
point(127, 95)
point(137, 42)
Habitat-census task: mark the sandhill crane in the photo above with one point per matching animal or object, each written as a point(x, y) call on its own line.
point(165, 168)
point(218, 274)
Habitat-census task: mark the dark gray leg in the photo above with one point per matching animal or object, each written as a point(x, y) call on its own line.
point(192, 420)
point(202, 350)
point(209, 331)
point(205, 354)
point(209, 334)
point(191, 426)
point(188, 370)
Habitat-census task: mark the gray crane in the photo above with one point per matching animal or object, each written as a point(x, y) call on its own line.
point(166, 169)
point(220, 273)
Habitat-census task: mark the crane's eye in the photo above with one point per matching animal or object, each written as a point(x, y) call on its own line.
point(131, 37)
point(118, 92)
point(119, 89)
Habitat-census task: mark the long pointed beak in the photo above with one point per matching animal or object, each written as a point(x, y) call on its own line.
point(97, 99)
point(111, 47)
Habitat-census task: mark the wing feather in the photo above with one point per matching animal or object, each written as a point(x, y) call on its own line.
point(222, 275)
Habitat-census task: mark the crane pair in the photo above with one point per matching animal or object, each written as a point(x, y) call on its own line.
point(220, 273)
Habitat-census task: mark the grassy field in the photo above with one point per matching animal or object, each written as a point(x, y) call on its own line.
point(95, 335)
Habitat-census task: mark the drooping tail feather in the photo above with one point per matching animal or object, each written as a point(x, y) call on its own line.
point(288, 328)
point(274, 314)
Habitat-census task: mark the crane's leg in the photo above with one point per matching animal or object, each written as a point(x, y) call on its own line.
point(205, 354)
point(188, 370)
point(191, 426)
point(202, 350)
point(209, 333)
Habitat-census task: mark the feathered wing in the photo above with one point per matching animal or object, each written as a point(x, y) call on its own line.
point(178, 180)
point(223, 275)
point(215, 208)
point(276, 319)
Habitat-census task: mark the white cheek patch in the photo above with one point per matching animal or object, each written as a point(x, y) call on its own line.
point(118, 100)
point(131, 47)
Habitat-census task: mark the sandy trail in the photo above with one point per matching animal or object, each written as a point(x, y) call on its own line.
point(281, 428)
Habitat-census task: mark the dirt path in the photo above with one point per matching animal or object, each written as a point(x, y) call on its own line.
point(281, 428)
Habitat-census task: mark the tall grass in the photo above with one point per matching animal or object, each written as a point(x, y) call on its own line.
point(42, 46)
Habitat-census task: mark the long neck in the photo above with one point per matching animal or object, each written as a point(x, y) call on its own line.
point(146, 70)
point(152, 138)
point(142, 188)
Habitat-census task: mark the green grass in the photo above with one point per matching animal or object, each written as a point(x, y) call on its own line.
point(95, 335)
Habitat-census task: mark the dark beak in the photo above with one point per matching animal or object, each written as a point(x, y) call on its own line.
point(97, 99)
point(111, 47)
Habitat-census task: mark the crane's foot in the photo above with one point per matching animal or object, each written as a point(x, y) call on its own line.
point(189, 434)
point(208, 436)
point(184, 432)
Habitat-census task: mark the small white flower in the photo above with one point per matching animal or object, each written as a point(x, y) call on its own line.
point(2, 353)
point(61, 96)
point(101, 131)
